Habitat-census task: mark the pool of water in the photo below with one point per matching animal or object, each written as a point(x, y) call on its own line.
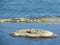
point(29, 9)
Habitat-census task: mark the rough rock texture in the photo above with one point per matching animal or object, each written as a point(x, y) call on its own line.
point(33, 33)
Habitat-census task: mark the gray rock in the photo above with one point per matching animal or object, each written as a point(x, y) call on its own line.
point(34, 33)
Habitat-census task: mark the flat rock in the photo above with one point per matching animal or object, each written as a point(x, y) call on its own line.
point(33, 33)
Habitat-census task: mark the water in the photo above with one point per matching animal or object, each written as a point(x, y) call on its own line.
point(29, 9)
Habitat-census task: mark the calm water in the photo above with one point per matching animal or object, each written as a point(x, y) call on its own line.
point(29, 9)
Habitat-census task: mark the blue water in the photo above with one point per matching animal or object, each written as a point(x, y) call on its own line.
point(29, 9)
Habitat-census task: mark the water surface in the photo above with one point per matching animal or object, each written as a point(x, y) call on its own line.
point(29, 9)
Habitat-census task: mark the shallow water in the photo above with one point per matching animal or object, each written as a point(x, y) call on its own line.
point(29, 9)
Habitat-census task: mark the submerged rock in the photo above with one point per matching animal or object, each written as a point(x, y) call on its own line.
point(33, 33)
point(45, 19)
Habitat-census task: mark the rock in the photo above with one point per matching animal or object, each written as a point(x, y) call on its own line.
point(33, 33)
point(45, 19)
